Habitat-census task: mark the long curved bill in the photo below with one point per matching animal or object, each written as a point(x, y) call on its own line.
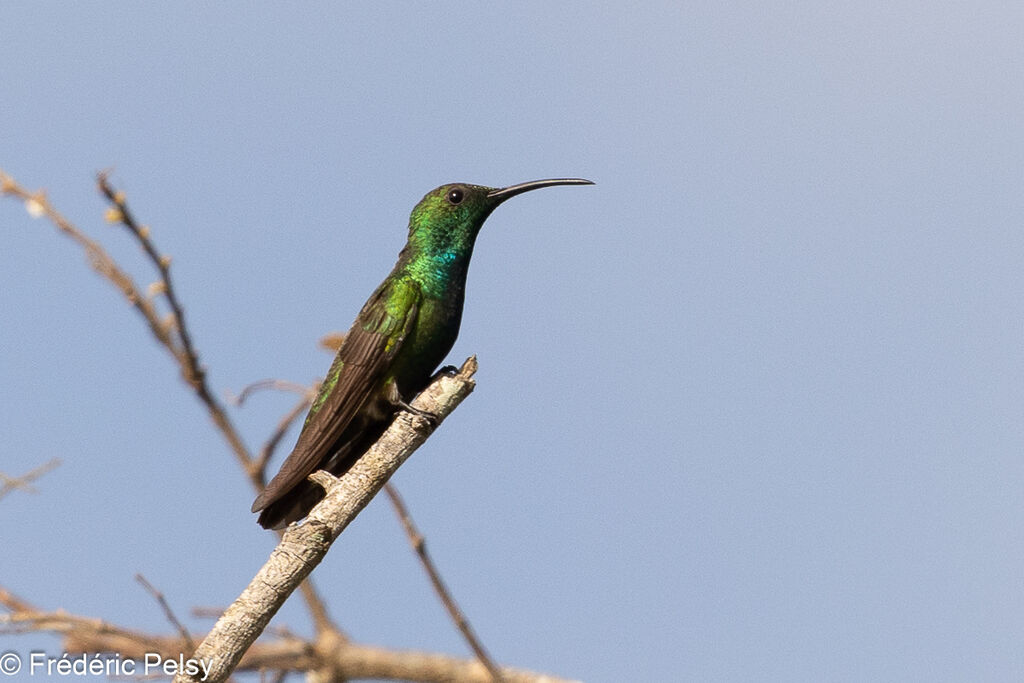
point(512, 190)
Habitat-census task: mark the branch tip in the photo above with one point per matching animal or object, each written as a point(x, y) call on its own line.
point(469, 368)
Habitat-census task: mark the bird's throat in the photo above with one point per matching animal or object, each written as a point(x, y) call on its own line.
point(439, 273)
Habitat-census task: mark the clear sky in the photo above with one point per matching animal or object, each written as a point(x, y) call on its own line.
point(748, 409)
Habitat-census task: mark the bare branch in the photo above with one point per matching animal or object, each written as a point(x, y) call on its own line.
point(322, 622)
point(24, 482)
point(379, 663)
point(419, 545)
point(194, 373)
point(177, 337)
point(173, 337)
point(267, 452)
point(168, 612)
point(304, 546)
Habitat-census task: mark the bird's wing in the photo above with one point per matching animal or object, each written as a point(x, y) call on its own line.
point(362, 361)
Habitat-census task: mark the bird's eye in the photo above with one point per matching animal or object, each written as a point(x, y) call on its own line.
point(455, 196)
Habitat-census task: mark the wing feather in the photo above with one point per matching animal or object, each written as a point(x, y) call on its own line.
point(361, 364)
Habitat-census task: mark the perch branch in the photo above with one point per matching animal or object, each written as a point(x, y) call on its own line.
point(304, 546)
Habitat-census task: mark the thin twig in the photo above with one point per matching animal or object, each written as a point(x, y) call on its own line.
point(183, 350)
point(419, 545)
point(322, 622)
point(196, 376)
point(267, 451)
point(194, 372)
point(24, 482)
point(264, 385)
point(271, 445)
point(168, 612)
point(38, 205)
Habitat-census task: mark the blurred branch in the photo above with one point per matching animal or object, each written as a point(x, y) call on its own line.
point(266, 385)
point(168, 612)
point(83, 635)
point(419, 545)
point(24, 482)
point(307, 393)
point(332, 341)
point(172, 333)
point(267, 452)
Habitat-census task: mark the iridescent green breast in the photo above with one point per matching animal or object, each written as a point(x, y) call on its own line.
point(429, 340)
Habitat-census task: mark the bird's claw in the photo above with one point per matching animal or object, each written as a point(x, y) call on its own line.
point(449, 370)
point(426, 415)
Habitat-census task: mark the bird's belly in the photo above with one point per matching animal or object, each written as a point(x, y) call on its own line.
point(427, 344)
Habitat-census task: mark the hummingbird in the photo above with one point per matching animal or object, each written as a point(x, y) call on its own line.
point(403, 332)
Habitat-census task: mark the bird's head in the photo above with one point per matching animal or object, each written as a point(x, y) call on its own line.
point(448, 218)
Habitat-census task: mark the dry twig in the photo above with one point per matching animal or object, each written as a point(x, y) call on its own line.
point(419, 545)
point(24, 482)
point(177, 338)
point(248, 390)
point(267, 452)
point(168, 612)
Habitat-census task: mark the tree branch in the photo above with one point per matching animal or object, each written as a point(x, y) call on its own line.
point(419, 546)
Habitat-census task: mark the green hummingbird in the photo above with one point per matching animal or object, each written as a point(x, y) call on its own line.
point(400, 336)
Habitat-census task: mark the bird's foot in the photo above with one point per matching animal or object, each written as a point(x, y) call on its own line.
point(449, 370)
point(428, 416)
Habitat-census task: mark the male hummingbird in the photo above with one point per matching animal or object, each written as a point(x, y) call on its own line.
point(401, 335)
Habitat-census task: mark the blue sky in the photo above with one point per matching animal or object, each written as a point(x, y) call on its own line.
point(748, 409)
